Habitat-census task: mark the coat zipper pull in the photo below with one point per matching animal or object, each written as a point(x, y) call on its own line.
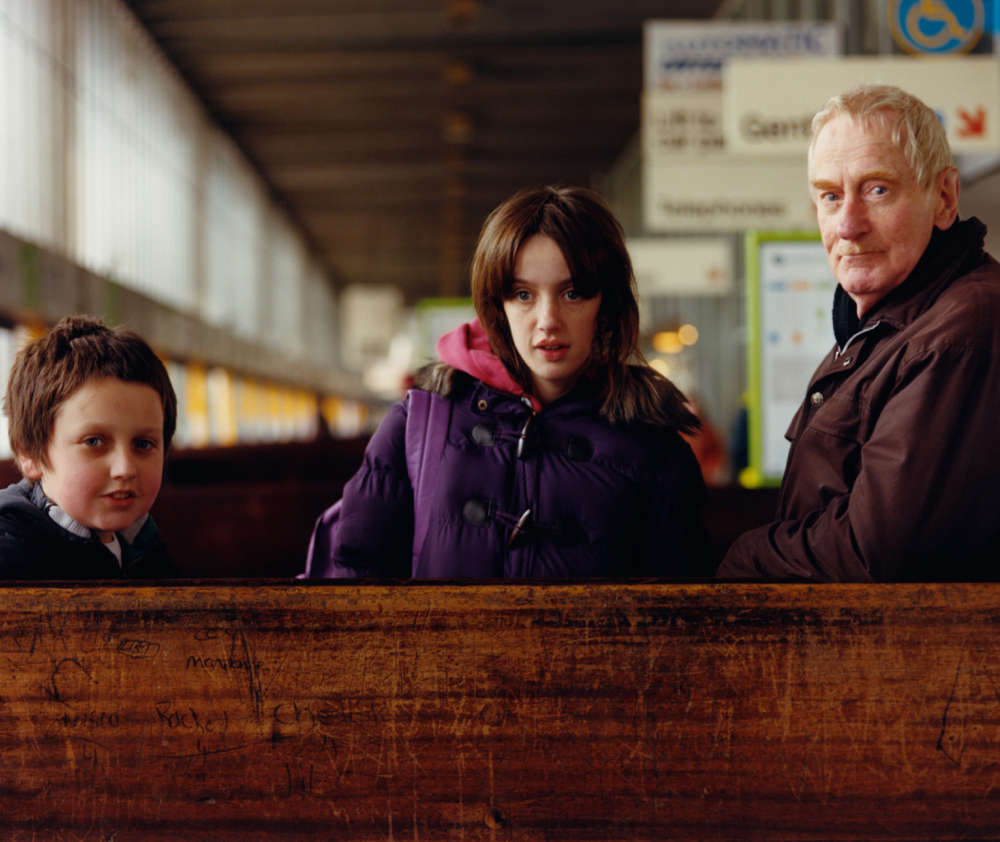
point(524, 435)
point(518, 527)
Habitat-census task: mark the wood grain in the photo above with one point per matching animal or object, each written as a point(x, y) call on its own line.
point(275, 710)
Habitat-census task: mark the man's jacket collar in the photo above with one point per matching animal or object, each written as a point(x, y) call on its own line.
point(948, 255)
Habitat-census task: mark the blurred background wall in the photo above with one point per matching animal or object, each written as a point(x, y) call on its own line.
point(283, 195)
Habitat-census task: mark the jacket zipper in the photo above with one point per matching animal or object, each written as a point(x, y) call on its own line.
point(860, 333)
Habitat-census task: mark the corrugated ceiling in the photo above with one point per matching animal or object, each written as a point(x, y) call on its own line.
point(390, 128)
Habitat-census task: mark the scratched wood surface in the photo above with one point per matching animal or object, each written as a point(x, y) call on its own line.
point(499, 711)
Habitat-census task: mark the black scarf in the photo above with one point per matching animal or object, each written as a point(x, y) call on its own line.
point(962, 238)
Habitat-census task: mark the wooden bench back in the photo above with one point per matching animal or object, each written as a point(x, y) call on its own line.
point(318, 711)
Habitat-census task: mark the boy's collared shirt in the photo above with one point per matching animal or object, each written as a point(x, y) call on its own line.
point(70, 525)
point(34, 545)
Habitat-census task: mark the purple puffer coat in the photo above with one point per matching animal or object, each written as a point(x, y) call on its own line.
point(557, 493)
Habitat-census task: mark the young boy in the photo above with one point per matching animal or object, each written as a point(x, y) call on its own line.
point(91, 413)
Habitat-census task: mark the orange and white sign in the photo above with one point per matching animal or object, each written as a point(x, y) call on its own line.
point(768, 106)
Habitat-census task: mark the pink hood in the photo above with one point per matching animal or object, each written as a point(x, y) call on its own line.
point(467, 348)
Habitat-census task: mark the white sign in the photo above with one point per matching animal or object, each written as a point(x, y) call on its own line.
point(681, 123)
point(768, 106)
point(702, 266)
point(690, 56)
point(369, 319)
point(791, 333)
point(726, 194)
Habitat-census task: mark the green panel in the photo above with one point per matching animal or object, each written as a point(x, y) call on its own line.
point(754, 475)
point(29, 259)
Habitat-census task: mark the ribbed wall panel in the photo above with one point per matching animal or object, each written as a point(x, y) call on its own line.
point(107, 157)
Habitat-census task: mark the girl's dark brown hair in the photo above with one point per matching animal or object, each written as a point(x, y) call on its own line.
point(49, 369)
point(593, 244)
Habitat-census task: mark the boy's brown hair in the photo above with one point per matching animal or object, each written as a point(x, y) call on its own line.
point(49, 369)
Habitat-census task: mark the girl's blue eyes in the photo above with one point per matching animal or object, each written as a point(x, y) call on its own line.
point(525, 295)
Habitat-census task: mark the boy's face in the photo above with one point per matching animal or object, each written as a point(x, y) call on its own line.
point(105, 455)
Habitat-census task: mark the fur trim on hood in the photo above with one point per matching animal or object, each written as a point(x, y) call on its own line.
point(646, 397)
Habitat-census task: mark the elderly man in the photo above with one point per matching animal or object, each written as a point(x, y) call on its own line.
point(894, 467)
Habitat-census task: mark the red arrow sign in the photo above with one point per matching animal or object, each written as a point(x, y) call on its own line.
point(973, 125)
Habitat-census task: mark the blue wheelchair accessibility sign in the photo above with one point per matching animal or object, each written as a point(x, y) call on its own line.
point(937, 27)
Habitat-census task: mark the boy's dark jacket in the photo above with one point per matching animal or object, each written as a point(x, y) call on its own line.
point(35, 547)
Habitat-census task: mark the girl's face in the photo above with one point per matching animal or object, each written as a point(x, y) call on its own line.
point(552, 325)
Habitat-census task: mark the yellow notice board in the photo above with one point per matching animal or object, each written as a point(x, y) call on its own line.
point(789, 332)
